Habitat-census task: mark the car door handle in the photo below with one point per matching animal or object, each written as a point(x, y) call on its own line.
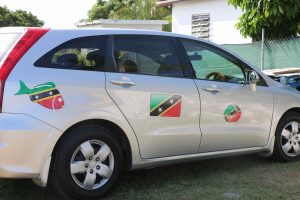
point(212, 89)
point(131, 83)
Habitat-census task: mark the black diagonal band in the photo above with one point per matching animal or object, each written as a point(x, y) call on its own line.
point(237, 109)
point(165, 105)
point(42, 95)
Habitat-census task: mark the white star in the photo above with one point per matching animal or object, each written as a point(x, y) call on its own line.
point(171, 101)
point(36, 97)
point(50, 93)
point(160, 109)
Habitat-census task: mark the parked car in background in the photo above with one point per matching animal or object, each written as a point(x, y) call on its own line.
point(80, 106)
point(288, 76)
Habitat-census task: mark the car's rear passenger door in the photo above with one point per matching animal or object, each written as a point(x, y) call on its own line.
point(155, 93)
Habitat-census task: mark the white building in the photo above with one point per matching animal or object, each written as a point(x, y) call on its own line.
point(127, 24)
point(211, 19)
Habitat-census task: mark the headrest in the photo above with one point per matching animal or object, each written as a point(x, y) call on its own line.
point(130, 66)
point(170, 67)
point(93, 55)
point(67, 59)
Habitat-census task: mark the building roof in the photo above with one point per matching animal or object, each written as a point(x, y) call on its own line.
point(168, 2)
point(122, 21)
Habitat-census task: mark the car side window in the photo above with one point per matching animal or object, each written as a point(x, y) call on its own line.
point(86, 53)
point(211, 64)
point(146, 55)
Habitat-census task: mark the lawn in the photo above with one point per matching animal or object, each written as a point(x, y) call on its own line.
point(250, 177)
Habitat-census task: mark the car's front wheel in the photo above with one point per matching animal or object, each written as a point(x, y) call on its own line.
point(87, 163)
point(287, 138)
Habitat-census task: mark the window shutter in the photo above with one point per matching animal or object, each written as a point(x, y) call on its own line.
point(200, 25)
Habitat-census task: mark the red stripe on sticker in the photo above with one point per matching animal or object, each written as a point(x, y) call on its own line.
point(174, 111)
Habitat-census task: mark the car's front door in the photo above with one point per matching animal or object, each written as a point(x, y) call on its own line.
point(232, 115)
point(152, 90)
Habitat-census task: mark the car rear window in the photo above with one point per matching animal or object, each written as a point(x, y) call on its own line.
point(85, 53)
point(7, 40)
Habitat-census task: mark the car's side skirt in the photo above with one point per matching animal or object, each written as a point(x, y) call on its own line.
point(156, 162)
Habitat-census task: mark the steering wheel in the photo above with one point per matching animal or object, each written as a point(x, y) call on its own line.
point(217, 76)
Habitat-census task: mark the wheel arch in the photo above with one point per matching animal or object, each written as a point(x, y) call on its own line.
point(277, 152)
point(294, 109)
point(119, 134)
point(275, 124)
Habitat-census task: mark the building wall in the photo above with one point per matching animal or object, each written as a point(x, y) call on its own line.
point(222, 20)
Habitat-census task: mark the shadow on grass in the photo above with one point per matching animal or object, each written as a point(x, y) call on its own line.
point(183, 181)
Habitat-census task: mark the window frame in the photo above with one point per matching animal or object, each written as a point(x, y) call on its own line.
point(102, 38)
point(186, 70)
point(243, 65)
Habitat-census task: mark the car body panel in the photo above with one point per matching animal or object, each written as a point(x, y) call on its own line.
point(88, 100)
point(253, 127)
point(285, 99)
point(24, 142)
point(159, 136)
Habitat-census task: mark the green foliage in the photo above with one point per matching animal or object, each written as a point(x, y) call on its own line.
point(280, 18)
point(18, 18)
point(103, 9)
point(130, 9)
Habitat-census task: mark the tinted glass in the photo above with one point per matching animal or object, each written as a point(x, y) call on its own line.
point(212, 64)
point(87, 53)
point(146, 55)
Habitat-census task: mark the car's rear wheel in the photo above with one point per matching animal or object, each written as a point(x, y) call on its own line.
point(287, 138)
point(87, 163)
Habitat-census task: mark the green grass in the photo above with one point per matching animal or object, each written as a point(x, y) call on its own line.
point(252, 177)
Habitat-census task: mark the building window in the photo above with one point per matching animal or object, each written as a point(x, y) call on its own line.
point(200, 25)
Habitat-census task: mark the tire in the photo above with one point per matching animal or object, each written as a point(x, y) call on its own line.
point(87, 164)
point(287, 138)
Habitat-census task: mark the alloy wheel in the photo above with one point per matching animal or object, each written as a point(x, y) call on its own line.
point(290, 139)
point(92, 164)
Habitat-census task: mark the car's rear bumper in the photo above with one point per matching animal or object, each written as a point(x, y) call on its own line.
point(25, 144)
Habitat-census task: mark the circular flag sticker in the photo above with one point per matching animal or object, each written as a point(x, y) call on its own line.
point(232, 113)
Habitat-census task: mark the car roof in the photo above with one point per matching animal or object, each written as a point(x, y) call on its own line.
point(118, 31)
point(108, 31)
point(129, 31)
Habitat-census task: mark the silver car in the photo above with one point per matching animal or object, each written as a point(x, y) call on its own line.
point(80, 106)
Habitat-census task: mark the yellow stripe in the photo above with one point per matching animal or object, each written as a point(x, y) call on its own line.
point(42, 91)
point(161, 103)
point(46, 98)
point(170, 107)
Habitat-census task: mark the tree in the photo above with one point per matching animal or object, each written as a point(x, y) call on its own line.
point(18, 18)
point(130, 9)
point(280, 18)
point(103, 9)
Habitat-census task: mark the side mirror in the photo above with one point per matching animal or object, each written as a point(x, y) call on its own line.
point(252, 79)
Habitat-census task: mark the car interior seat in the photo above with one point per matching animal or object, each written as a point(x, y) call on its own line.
point(170, 67)
point(68, 60)
point(97, 59)
point(130, 66)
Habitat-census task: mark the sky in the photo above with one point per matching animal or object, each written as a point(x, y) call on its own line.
point(55, 13)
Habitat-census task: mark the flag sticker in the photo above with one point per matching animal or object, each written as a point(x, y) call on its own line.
point(232, 114)
point(45, 95)
point(165, 105)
